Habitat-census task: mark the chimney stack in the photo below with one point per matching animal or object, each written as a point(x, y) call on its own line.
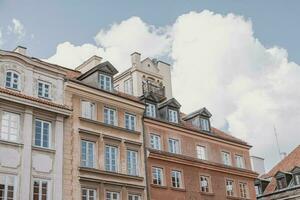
point(136, 59)
point(20, 50)
point(89, 64)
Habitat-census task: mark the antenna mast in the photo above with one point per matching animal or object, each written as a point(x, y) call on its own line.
point(277, 142)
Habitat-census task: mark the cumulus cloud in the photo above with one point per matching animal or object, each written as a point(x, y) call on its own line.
point(17, 28)
point(249, 88)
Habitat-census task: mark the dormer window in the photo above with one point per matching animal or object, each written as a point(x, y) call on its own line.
point(281, 183)
point(173, 116)
point(200, 119)
point(204, 124)
point(12, 80)
point(105, 82)
point(297, 179)
point(150, 110)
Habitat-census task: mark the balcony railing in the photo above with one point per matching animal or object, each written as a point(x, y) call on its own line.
point(150, 87)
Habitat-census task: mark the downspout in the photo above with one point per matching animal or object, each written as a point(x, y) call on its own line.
point(146, 160)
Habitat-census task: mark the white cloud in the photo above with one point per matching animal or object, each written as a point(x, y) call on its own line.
point(1, 38)
point(17, 28)
point(248, 87)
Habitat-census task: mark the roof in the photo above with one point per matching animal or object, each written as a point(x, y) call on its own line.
point(171, 102)
point(203, 111)
point(286, 165)
point(105, 66)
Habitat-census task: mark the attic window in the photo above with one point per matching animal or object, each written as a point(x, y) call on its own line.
point(281, 183)
point(173, 116)
point(105, 82)
point(297, 179)
point(202, 123)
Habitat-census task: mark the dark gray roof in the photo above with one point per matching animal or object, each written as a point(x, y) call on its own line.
point(202, 111)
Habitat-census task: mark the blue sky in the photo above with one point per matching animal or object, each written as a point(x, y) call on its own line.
point(244, 64)
point(51, 22)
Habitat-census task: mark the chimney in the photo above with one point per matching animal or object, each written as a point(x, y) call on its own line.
point(89, 64)
point(136, 59)
point(20, 50)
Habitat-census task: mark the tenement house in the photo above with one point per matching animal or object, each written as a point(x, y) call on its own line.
point(32, 115)
point(187, 158)
point(104, 143)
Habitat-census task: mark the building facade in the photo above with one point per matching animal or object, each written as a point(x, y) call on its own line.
point(32, 115)
point(186, 157)
point(104, 143)
point(282, 181)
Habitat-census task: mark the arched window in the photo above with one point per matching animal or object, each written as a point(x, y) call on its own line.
point(12, 80)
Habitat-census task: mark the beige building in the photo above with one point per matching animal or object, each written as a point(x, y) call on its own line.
point(104, 143)
point(32, 118)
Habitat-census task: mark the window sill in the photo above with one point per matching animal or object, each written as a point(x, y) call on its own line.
point(109, 125)
point(45, 98)
point(43, 149)
point(158, 186)
point(234, 198)
point(178, 189)
point(7, 142)
point(16, 90)
point(207, 193)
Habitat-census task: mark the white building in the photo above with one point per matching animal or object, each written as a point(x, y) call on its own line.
point(31, 127)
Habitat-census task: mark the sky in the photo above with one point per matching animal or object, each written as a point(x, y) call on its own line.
point(238, 58)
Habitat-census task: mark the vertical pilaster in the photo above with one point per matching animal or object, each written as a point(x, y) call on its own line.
point(26, 158)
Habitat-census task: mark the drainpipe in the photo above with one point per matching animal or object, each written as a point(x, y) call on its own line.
point(146, 160)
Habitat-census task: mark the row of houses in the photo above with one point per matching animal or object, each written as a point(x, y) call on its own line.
point(93, 133)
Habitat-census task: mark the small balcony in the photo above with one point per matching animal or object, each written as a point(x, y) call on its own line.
point(149, 87)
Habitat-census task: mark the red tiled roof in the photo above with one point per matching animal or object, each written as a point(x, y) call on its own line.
point(43, 101)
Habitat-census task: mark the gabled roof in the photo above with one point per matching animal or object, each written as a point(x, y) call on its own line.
point(104, 67)
point(280, 173)
point(295, 169)
point(202, 112)
point(172, 103)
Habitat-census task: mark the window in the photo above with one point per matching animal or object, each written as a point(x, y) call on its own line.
point(10, 126)
point(174, 146)
point(105, 82)
point(297, 179)
point(257, 190)
point(243, 190)
point(155, 142)
point(150, 110)
point(132, 162)
point(40, 190)
point(88, 194)
point(134, 197)
point(112, 195)
point(128, 86)
point(129, 121)
point(204, 124)
point(7, 187)
point(111, 155)
point(226, 158)
point(44, 90)
point(109, 116)
point(157, 176)
point(87, 153)
point(204, 184)
point(229, 188)
point(42, 133)
point(88, 110)
point(176, 179)
point(173, 117)
point(239, 161)
point(201, 152)
point(12, 80)
point(281, 183)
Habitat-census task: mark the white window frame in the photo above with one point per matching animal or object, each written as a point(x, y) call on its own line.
point(87, 161)
point(109, 165)
point(134, 197)
point(201, 152)
point(173, 116)
point(243, 190)
point(42, 133)
point(297, 179)
point(43, 95)
point(205, 184)
point(5, 180)
point(9, 135)
point(88, 190)
point(226, 161)
point(177, 175)
point(132, 162)
point(174, 145)
point(204, 124)
point(157, 174)
point(155, 141)
point(229, 187)
point(111, 195)
point(128, 86)
point(88, 109)
point(106, 84)
point(40, 181)
point(150, 110)
point(240, 162)
point(130, 121)
point(108, 119)
point(13, 80)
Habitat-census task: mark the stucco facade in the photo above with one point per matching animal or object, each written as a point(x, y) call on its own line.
point(32, 126)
